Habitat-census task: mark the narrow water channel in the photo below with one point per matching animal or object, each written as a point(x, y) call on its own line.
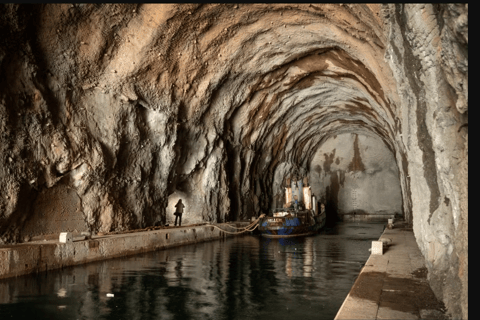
point(246, 277)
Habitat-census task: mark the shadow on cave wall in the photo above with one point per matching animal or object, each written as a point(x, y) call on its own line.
point(331, 200)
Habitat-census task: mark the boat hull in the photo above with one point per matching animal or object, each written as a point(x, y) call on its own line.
point(301, 224)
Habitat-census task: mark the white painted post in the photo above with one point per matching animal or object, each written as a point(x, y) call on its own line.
point(65, 237)
point(377, 247)
point(390, 224)
point(314, 204)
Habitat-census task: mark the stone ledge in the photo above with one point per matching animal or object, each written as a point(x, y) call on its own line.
point(38, 256)
point(366, 217)
point(391, 286)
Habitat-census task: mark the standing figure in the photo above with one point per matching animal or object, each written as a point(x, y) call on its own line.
point(178, 212)
point(322, 208)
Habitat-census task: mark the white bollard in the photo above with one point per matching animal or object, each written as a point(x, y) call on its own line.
point(65, 237)
point(390, 224)
point(377, 247)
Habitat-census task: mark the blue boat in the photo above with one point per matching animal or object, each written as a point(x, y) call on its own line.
point(299, 216)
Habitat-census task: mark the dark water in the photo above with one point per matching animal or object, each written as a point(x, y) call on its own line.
point(247, 277)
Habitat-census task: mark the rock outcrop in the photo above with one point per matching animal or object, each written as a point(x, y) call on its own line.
point(109, 113)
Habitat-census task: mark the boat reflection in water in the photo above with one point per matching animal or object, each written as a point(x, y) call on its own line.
point(308, 257)
point(247, 277)
point(298, 250)
point(307, 260)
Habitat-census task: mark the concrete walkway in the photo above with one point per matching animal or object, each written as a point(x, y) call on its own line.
point(393, 285)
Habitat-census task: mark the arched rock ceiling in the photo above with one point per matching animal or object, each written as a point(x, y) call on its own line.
point(267, 76)
point(126, 104)
point(175, 97)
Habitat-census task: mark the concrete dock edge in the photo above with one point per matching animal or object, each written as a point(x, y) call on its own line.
point(393, 285)
point(39, 256)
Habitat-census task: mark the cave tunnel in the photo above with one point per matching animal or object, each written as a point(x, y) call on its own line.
point(110, 113)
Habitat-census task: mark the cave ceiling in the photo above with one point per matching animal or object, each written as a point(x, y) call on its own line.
point(260, 73)
point(122, 109)
point(264, 77)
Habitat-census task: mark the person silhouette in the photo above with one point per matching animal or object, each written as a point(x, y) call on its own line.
point(178, 212)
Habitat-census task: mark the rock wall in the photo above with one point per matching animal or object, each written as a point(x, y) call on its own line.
point(356, 175)
point(430, 43)
point(127, 107)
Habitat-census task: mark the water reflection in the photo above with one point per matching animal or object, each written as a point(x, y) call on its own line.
point(308, 257)
point(247, 277)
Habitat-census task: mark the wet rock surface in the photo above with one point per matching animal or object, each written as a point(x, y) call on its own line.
point(129, 107)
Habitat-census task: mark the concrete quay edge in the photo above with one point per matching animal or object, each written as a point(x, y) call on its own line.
point(393, 285)
point(39, 256)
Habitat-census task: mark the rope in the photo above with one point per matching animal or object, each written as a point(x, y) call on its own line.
point(247, 228)
point(250, 225)
point(244, 229)
point(236, 232)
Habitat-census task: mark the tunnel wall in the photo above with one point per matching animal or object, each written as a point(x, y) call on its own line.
point(430, 43)
point(124, 104)
point(358, 174)
point(57, 209)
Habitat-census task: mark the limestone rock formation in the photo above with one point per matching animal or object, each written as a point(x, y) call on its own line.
point(111, 112)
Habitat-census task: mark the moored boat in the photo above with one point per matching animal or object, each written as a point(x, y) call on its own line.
point(299, 216)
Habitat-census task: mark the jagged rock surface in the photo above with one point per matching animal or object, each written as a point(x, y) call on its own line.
point(109, 113)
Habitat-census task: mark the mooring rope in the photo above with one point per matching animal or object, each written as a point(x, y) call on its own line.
point(250, 225)
point(247, 228)
point(244, 229)
point(236, 232)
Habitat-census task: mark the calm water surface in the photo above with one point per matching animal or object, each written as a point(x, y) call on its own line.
point(247, 277)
